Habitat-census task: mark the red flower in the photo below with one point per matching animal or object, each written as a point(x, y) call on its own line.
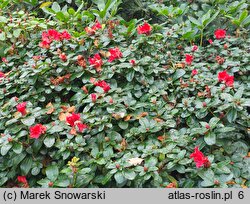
point(2, 75)
point(194, 72)
point(96, 61)
point(210, 41)
point(220, 33)
point(228, 79)
point(54, 35)
point(103, 85)
point(81, 126)
point(94, 28)
point(144, 29)
point(115, 53)
point(50, 35)
point(65, 35)
point(37, 130)
point(63, 57)
point(199, 158)
point(73, 118)
point(171, 185)
point(97, 26)
point(93, 97)
point(195, 47)
point(132, 62)
point(189, 59)
point(22, 179)
point(222, 75)
point(21, 107)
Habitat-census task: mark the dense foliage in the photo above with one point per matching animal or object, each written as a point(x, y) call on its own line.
point(88, 99)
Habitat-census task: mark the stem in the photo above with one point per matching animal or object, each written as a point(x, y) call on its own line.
point(201, 38)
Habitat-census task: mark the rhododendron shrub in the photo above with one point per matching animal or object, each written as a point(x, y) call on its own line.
point(108, 104)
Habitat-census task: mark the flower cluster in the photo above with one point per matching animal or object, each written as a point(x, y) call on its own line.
point(224, 76)
point(103, 85)
point(37, 130)
point(144, 29)
point(51, 35)
point(115, 53)
point(96, 61)
point(21, 107)
point(94, 28)
point(220, 33)
point(75, 120)
point(199, 158)
point(23, 181)
point(189, 59)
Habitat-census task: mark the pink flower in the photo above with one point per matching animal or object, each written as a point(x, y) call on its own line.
point(132, 62)
point(93, 97)
point(96, 61)
point(220, 33)
point(194, 72)
point(37, 130)
point(103, 85)
point(81, 126)
point(65, 35)
point(144, 29)
point(115, 53)
point(22, 179)
point(21, 107)
point(199, 158)
point(73, 118)
point(210, 41)
point(195, 47)
point(4, 60)
point(189, 59)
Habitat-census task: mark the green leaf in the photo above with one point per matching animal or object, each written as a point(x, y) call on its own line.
point(56, 7)
point(152, 161)
point(17, 32)
point(210, 138)
point(225, 129)
point(52, 172)
point(49, 141)
point(56, 128)
point(130, 75)
point(123, 125)
point(60, 16)
point(62, 182)
point(243, 16)
point(35, 171)
point(28, 121)
point(232, 115)
point(178, 74)
point(213, 122)
point(194, 21)
point(18, 148)
point(5, 148)
point(129, 174)
point(44, 183)
point(119, 178)
point(26, 165)
point(2, 36)
point(45, 4)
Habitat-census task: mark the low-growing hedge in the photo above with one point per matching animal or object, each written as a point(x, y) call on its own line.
point(112, 104)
